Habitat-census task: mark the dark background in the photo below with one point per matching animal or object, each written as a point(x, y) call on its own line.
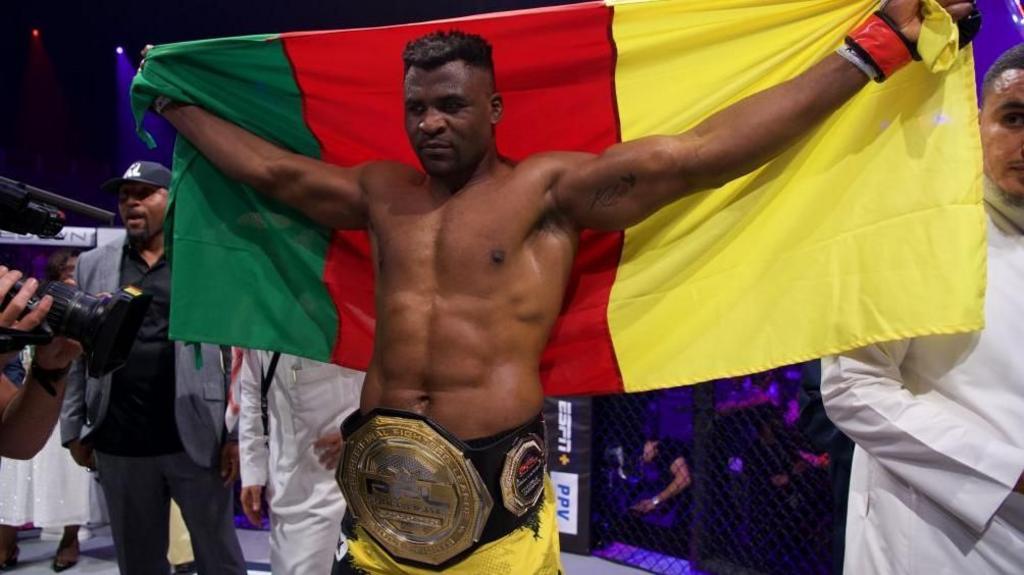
point(59, 125)
point(62, 115)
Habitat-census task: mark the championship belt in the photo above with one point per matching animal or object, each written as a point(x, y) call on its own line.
point(522, 476)
point(412, 489)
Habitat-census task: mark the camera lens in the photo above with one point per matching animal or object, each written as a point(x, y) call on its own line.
point(105, 325)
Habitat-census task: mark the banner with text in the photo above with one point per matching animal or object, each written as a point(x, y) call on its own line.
point(568, 423)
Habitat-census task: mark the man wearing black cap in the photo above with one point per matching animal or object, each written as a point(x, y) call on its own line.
point(156, 424)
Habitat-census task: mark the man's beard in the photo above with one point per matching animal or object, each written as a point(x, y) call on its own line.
point(1010, 207)
point(140, 236)
point(1014, 200)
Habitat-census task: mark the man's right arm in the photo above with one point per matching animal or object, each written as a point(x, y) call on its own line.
point(252, 438)
point(28, 415)
point(330, 195)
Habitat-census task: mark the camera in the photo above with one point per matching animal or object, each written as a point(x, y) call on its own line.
point(23, 216)
point(26, 209)
point(105, 325)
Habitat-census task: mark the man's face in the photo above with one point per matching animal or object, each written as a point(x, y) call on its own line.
point(142, 208)
point(650, 450)
point(1002, 133)
point(450, 113)
point(67, 271)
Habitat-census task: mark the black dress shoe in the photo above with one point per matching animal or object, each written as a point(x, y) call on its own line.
point(184, 568)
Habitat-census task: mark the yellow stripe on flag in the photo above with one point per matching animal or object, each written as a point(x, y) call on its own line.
point(870, 229)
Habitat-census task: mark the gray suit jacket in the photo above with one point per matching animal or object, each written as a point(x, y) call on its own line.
point(199, 393)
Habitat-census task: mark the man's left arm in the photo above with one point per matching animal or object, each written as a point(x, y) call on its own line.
point(29, 415)
point(680, 481)
point(631, 181)
point(930, 442)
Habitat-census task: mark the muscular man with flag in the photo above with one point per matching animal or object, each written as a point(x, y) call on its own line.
point(444, 463)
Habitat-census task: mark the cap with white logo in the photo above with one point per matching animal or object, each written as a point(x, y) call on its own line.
point(152, 173)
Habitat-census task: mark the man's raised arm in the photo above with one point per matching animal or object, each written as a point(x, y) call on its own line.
point(631, 181)
point(330, 195)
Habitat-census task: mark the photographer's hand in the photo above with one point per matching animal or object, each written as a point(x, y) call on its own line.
point(58, 354)
point(27, 416)
point(11, 314)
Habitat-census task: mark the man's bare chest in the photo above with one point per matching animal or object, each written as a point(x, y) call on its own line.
point(458, 237)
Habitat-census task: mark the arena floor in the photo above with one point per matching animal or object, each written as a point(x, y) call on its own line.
point(98, 556)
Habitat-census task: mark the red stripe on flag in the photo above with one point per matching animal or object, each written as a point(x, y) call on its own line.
point(555, 69)
point(348, 275)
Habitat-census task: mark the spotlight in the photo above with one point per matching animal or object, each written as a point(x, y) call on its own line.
point(119, 50)
point(35, 32)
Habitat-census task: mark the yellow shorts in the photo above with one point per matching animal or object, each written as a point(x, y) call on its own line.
point(530, 549)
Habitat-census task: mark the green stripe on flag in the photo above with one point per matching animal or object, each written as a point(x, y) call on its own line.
point(246, 271)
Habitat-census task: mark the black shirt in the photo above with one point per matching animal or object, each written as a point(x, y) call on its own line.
point(140, 418)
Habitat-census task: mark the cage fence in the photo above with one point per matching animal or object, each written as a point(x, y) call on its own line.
point(739, 489)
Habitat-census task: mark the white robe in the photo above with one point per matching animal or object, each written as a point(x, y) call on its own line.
point(50, 490)
point(939, 427)
point(306, 400)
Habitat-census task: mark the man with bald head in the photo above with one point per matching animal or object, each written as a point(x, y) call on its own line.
point(938, 473)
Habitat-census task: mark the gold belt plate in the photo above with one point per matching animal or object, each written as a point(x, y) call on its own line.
point(412, 490)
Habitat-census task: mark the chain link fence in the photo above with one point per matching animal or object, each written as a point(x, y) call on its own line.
point(738, 489)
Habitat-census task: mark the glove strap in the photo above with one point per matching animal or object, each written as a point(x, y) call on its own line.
point(879, 43)
point(160, 104)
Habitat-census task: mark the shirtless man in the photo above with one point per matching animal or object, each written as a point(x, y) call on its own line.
point(472, 254)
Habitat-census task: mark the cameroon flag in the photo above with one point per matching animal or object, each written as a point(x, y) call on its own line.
point(869, 229)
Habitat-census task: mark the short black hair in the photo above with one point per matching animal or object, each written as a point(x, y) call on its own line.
point(1012, 59)
point(438, 48)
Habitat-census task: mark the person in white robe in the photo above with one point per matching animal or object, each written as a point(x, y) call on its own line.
point(306, 403)
point(938, 473)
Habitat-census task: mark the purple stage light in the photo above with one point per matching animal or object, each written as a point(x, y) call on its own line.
point(129, 147)
point(119, 50)
point(1016, 11)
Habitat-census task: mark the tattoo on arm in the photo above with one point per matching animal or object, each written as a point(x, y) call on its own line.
point(610, 195)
